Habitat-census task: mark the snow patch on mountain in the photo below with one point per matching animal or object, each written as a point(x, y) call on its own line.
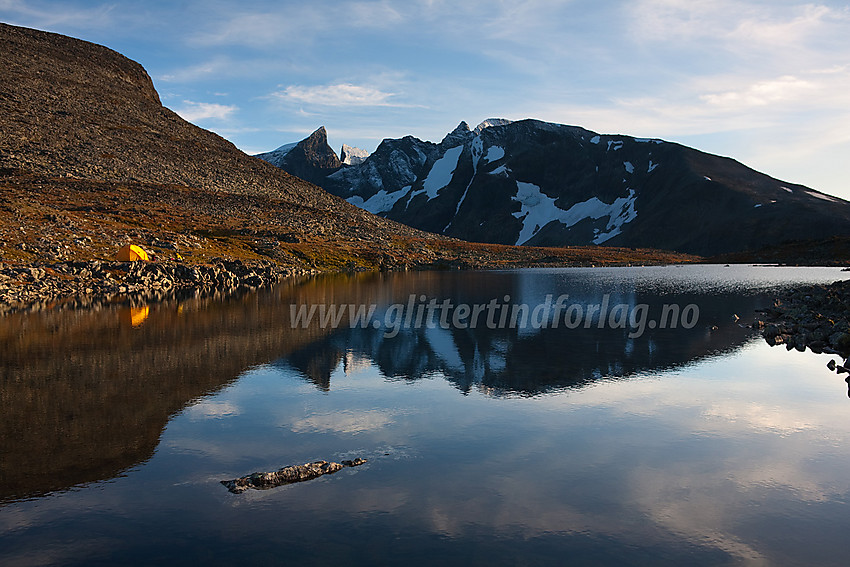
point(622, 211)
point(821, 196)
point(494, 153)
point(652, 166)
point(442, 171)
point(501, 170)
point(629, 167)
point(380, 202)
point(476, 148)
point(615, 145)
point(595, 140)
point(275, 157)
point(538, 209)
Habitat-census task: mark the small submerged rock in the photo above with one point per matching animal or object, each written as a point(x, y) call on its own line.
point(287, 475)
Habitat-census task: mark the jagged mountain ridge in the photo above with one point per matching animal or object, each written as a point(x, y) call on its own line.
point(537, 183)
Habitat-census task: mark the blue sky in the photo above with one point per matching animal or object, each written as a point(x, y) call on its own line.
point(765, 82)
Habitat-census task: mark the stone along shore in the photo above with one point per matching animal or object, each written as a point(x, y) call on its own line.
point(87, 283)
point(815, 317)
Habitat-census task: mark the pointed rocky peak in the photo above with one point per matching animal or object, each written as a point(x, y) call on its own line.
point(491, 122)
point(463, 127)
point(315, 151)
point(311, 159)
point(457, 136)
point(350, 155)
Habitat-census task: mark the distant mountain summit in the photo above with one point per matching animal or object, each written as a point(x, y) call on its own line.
point(491, 122)
point(352, 156)
point(311, 159)
point(538, 183)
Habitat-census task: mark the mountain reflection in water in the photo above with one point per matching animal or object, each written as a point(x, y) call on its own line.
point(530, 361)
point(86, 395)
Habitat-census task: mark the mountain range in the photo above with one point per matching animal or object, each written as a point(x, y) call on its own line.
point(542, 184)
point(90, 159)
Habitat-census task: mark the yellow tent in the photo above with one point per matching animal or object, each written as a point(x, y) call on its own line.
point(131, 253)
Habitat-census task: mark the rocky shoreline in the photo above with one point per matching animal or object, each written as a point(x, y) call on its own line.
point(89, 283)
point(816, 317)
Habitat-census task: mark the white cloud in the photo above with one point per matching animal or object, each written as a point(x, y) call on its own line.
point(342, 94)
point(787, 28)
point(762, 93)
point(197, 111)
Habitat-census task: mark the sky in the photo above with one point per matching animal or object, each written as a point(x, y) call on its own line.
point(764, 81)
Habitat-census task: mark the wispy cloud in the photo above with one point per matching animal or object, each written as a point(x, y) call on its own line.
point(198, 71)
point(714, 104)
point(198, 111)
point(47, 15)
point(341, 94)
point(293, 24)
point(733, 25)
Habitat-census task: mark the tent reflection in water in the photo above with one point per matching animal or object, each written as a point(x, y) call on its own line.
point(134, 316)
point(131, 253)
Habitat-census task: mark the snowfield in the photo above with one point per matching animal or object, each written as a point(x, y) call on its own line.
point(380, 202)
point(494, 153)
point(442, 171)
point(538, 209)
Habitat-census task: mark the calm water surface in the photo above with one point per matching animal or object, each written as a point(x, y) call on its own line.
point(532, 446)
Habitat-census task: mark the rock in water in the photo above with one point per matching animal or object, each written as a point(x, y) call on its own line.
point(287, 475)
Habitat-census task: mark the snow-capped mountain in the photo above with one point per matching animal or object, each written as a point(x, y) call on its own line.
point(537, 183)
point(276, 156)
point(349, 155)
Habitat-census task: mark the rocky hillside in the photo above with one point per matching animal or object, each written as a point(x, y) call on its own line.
point(543, 184)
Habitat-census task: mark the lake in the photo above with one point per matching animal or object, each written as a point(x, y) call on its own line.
point(587, 416)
